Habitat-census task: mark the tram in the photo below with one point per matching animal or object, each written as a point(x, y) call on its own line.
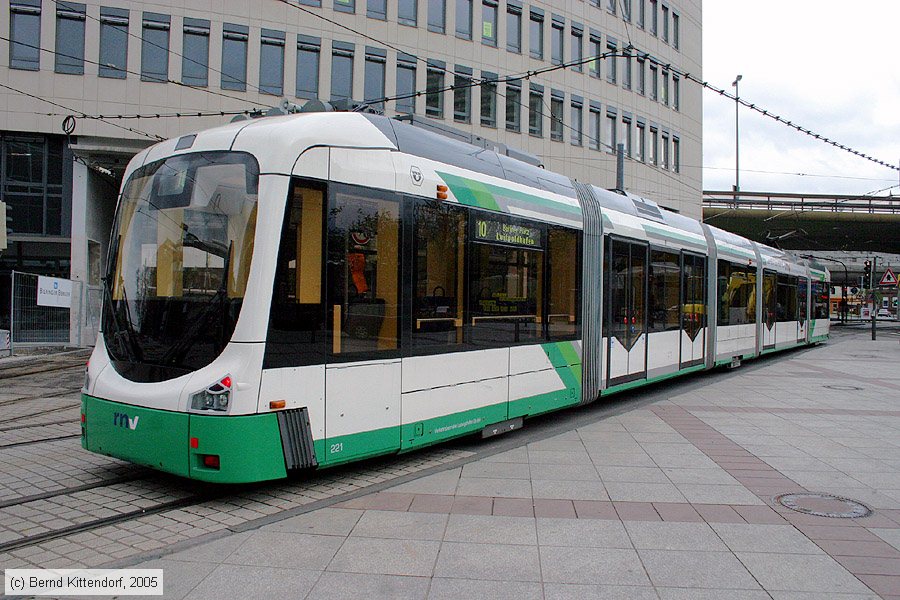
point(296, 292)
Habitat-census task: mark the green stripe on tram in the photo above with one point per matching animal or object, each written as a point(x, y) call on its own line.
point(479, 194)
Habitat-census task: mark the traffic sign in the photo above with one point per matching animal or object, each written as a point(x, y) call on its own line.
point(888, 278)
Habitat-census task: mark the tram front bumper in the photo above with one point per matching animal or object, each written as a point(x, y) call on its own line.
point(246, 448)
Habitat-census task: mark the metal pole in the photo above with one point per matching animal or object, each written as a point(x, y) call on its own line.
point(737, 140)
point(620, 167)
point(12, 305)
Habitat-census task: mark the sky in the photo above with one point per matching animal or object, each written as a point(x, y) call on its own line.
point(829, 66)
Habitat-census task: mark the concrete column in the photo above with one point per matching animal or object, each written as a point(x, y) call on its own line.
point(79, 259)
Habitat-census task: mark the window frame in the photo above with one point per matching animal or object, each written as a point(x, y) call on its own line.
point(114, 23)
point(235, 39)
point(70, 15)
point(270, 41)
point(23, 55)
point(151, 22)
point(197, 30)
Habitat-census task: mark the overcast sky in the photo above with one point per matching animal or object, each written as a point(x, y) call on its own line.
point(828, 66)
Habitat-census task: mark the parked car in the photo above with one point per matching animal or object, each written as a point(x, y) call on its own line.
point(884, 313)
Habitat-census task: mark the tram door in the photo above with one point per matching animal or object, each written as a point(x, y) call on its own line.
point(626, 315)
point(802, 308)
point(693, 310)
point(770, 310)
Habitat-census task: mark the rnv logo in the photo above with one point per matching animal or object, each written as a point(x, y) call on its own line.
point(122, 420)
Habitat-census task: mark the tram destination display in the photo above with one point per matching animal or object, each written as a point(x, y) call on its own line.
point(500, 232)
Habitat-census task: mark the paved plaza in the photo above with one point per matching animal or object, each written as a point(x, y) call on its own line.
point(663, 493)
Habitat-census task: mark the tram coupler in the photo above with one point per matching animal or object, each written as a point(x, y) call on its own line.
point(735, 362)
point(502, 427)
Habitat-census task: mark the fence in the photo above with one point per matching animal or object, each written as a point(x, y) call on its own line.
point(46, 311)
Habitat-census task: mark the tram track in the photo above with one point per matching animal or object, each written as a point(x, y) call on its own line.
point(35, 415)
point(39, 441)
point(65, 498)
point(58, 394)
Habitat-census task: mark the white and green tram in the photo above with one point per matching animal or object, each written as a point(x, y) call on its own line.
point(297, 292)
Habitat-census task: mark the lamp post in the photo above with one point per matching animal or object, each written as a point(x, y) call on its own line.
point(737, 140)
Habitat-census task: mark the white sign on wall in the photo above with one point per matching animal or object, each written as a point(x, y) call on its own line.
point(54, 292)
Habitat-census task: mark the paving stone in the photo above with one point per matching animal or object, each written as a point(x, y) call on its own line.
point(386, 557)
point(608, 566)
point(764, 538)
point(239, 581)
point(800, 573)
point(355, 586)
point(400, 525)
point(446, 588)
point(488, 561)
point(695, 569)
point(587, 533)
point(286, 549)
point(563, 591)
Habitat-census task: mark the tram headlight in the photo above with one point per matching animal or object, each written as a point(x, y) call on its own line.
point(216, 397)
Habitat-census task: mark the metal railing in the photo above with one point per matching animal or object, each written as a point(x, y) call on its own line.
point(802, 202)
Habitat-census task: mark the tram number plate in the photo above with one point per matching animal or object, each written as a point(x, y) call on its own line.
point(336, 448)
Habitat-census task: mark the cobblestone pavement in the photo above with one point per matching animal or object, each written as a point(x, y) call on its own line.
point(662, 493)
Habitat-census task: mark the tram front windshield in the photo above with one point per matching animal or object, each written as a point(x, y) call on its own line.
point(178, 263)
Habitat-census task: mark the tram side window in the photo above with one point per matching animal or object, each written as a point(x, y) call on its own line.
point(297, 317)
point(506, 279)
point(693, 307)
point(786, 299)
point(438, 288)
point(563, 312)
point(665, 289)
point(736, 293)
point(363, 273)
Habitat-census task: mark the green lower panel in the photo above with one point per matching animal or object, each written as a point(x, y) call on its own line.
point(641, 382)
point(248, 447)
point(535, 405)
point(818, 338)
point(155, 438)
point(355, 446)
point(431, 431)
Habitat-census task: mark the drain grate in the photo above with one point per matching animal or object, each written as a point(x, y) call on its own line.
point(824, 505)
point(843, 388)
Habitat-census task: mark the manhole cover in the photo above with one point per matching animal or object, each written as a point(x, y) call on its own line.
point(824, 505)
point(843, 388)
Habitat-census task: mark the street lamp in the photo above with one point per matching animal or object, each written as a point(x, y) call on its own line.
point(737, 155)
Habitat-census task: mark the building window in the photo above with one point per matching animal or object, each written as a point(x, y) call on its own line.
point(536, 34)
point(437, 15)
point(31, 182)
point(594, 127)
point(376, 9)
point(113, 42)
point(676, 154)
point(536, 113)
point(611, 62)
point(308, 49)
point(556, 41)
point(609, 134)
point(489, 23)
point(69, 38)
point(664, 147)
point(642, 13)
point(434, 92)
point(654, 17)
point(641, 76)
point(611, 6)
point(595, 47)
point(665, 23)
point(195, 52)
point(347, 6)
point(676, 41)
point(513, 108)
point(25, 34)
point(626, 9)
point(489, 99)
point(464, 19)
point(373, 88)
point(271, 62)
point(576, 110)
point(641, 141)
point(664, 88)
point(654, 83)
point(557, 106)
point(627, 136)
point(462, 95)
point(654, 146)
point(626, 71)
point(342, 70)
point(676, 93)
point(406, 84)
point(513, 28)
point(577, 50)
point(408, 12)
point(234, 56)
point(155, 47)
